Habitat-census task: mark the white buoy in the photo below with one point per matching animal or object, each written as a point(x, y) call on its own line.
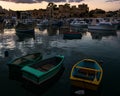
point(80, 92)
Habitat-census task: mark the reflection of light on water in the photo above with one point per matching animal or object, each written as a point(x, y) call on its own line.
point(45, 32)
point(38, 39)
point(87, 36)
point(118, 34)
point(7, 41)
point(9, 45)
point(65, 43)
point(28, 43)
point(9, 31)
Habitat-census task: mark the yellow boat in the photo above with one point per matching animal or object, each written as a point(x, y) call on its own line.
point(86, 74)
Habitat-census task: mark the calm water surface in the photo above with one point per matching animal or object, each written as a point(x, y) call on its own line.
point(101, 46)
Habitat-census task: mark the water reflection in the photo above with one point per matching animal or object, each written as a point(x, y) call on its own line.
point(98, 34)
point(52, 30)
point(1, 31)
point(50, 42)
point(23, 36)
point(42, 28)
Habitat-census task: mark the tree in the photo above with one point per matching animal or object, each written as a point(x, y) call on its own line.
point(67, 5)
point(52, 7)
point(96, 11)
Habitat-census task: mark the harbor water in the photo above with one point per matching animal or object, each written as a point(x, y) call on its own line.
point(102, 46)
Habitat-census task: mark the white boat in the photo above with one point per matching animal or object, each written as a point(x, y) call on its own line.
point(43, 23)
point(116, 23)
point(79, 23)
point(106, 26)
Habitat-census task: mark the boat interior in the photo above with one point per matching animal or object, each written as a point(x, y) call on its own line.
point(86, 73)
point(31, 57)
point(26, 59)
point(46, 64)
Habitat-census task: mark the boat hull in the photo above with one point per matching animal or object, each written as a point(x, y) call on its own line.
point(72, 35)
point(36, 80)
point(43, 87)
point(80, 26)
point(25, 27)
point(105, 28)
point(84, 85)
point(28, 31)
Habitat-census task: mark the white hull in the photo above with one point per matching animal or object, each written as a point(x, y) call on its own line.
point(97, 27)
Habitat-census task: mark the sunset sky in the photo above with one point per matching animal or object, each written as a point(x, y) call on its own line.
point(108, 5)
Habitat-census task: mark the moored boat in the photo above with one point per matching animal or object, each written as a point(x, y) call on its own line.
point(79, 23)
point(105, 26)
point(25, 24)
point(72, 35)
point(43, 71)
point(18, 63)
point(24, 28)
point(86, 74)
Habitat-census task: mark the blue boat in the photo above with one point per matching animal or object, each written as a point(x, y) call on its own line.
point(86, 74)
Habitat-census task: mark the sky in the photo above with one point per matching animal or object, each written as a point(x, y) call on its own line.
point(107, 5)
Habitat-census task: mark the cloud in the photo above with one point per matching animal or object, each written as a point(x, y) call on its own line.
point(23, 1)
point(112, 0)
point(75, 0)
point(38, 1)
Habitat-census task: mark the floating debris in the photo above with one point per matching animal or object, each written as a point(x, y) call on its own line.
point(80, 92)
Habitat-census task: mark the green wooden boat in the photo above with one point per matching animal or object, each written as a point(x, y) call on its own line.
point(43, 71)
point(18, 63)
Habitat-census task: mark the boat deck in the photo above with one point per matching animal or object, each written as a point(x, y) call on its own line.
point(47, 64)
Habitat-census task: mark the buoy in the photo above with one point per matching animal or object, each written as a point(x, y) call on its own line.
point(80, 92)
point(6, 53)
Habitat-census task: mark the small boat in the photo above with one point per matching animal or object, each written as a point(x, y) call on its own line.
point(79, 23)
point(24, 28)
point(72, 35)
point(86, 74)
point(42, 71)
point(16, 64)
point(43, 23)
point(25, 24)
